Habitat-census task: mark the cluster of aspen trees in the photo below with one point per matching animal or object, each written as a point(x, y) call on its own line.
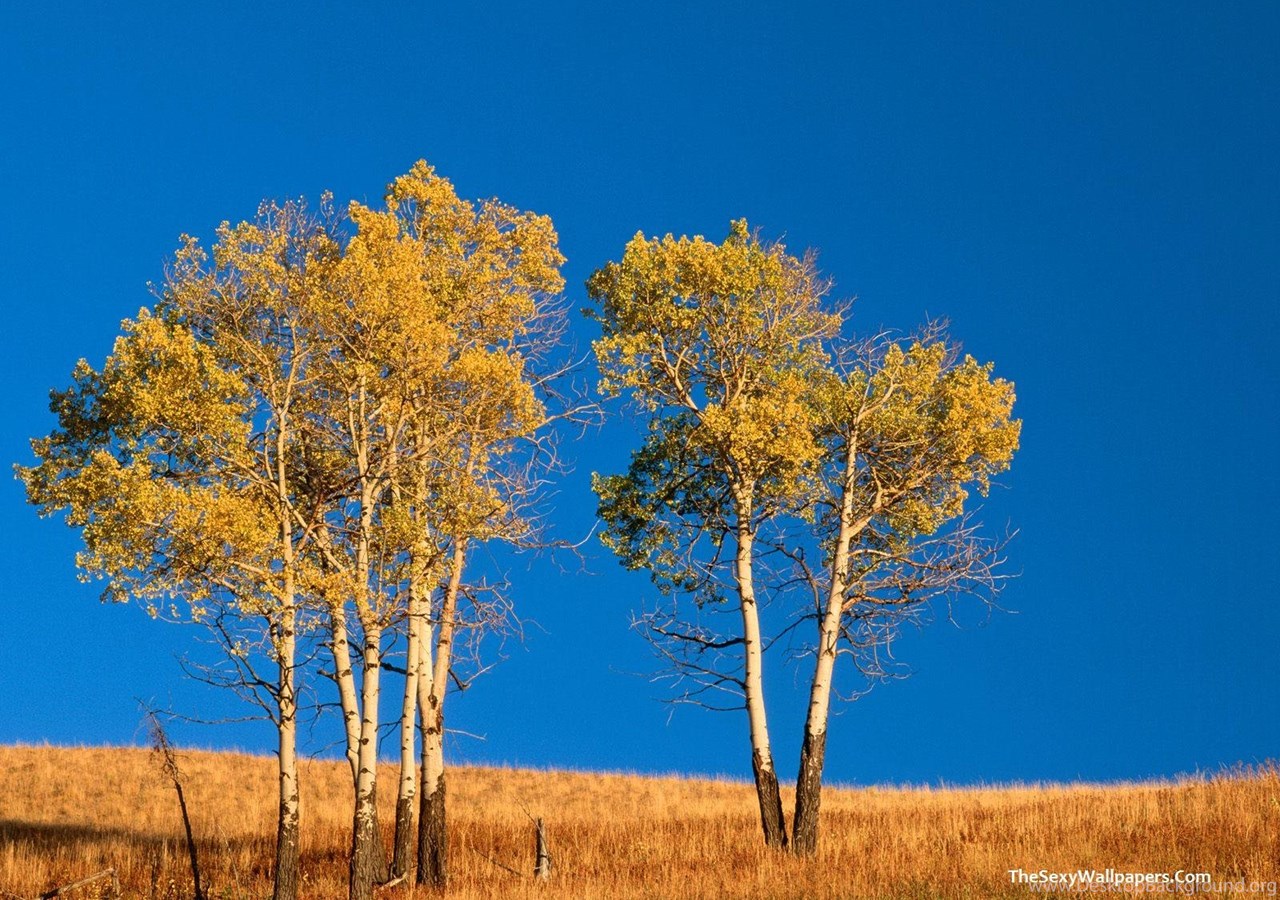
point(304, 441)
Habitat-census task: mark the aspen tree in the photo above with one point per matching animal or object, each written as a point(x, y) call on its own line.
point(317, 428)
point(910, 428)
point(716, 345)
point(771, 440)
point(177, 462)
point(441, 310)
point(492, 272)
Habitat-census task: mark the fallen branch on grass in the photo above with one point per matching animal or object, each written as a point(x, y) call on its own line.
point(105, 873)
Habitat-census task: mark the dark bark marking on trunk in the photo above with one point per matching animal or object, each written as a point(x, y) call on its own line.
point(771, 819)
point(804, 834)
point(287, 852)
point(402, 855)
point(433, 838)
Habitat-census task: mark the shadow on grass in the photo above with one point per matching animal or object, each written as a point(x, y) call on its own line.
point(44, 837)
point(146, 861)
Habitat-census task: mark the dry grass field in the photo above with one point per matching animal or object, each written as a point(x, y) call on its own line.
point(66, 813)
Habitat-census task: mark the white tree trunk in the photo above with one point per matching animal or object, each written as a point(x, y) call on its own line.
point(345, 678)
point(288, 822)
point(804, 831)
point(407, 792)
point(368, 858)
point(766, 778)
point(368, 862)
point(288, 826)
point(433, 844)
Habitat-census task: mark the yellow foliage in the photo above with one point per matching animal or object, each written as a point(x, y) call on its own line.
point(286, 365)
point(934, 426)
point(732, 332)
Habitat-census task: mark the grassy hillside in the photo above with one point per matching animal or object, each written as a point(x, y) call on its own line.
point(66, 813)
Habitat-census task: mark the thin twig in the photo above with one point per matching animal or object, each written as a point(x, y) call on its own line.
point(514, 872)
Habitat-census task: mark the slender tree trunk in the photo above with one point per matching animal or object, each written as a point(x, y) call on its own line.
point(804, 832)
point(804, 829)
point(402, 855)
point(766, 778)
point(433, 835)
point(360, 715)
point(368, 857)
point(345, 678)
point(366, 860)
point(288, 823)
point(288, 830)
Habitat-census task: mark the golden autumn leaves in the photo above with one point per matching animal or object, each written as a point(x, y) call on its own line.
point(733, 346)
point(425, 304)
point(323, 412)
point(326, 411)
point(849, 457)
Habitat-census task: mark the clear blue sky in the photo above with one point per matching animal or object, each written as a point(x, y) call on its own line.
point(1090, 191)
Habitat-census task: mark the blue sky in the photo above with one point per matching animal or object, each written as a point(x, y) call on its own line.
point(1089, 191)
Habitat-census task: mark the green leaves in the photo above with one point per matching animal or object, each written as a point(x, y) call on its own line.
point(671, 503)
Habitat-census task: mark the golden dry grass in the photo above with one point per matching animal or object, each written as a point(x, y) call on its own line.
point(68, 812)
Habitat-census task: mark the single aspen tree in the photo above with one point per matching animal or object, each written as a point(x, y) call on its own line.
point(178, 463)
point(910, 429)
point(717, 346)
